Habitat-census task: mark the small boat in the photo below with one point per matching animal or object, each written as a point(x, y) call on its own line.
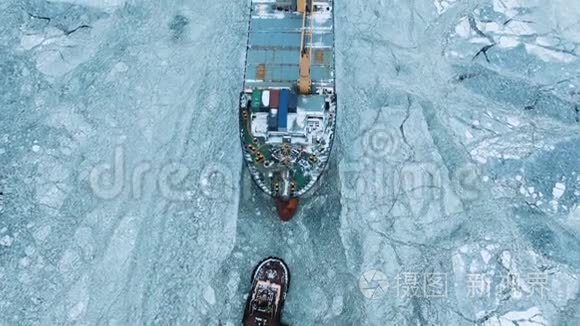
point(270, 283)
point(288, 105)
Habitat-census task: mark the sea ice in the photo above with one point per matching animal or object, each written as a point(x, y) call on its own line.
point(454, 119)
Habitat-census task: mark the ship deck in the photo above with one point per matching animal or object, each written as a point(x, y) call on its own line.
point(287, 132)
point(274, 45)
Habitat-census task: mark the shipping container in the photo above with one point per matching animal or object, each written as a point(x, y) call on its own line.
point(292, 103)
point(266, 98)
point(283, 109)
point(274, 98)
point(256, 99)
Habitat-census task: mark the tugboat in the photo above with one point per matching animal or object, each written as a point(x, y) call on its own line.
point(288, 104)
point(270, 284)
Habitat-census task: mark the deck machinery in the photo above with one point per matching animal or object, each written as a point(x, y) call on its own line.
point(288, 104)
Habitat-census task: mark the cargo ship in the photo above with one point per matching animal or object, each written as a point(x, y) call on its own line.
point(288, 103)
point(270, 283)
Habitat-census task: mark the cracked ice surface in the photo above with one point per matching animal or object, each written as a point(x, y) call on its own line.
point(139, 85)
point(457, 153)
point(479, 99)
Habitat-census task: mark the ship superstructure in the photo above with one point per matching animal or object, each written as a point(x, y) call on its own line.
point(288, 105)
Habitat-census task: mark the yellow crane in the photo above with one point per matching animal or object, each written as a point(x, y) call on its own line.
point(305, 80)
point(301, 6)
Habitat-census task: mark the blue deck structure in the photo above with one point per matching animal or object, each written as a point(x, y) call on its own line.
point(283, 109)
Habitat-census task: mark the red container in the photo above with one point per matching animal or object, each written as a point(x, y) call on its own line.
point(274, 98)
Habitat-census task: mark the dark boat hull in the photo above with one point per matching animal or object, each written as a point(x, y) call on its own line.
point(270, 283)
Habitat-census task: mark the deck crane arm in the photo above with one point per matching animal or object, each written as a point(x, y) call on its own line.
point(305, 81)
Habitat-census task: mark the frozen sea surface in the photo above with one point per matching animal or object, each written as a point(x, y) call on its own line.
point(452, 197)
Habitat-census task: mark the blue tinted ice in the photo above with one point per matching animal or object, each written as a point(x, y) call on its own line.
point(452, 197)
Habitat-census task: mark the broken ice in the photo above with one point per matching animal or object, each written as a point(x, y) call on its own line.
point(475, 101)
